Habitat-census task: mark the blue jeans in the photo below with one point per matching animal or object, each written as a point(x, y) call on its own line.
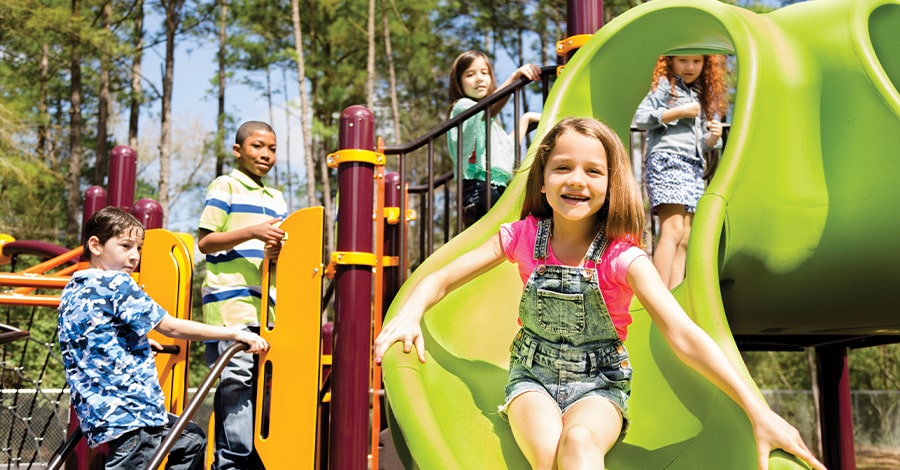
point(135, 449)
point(234, 406)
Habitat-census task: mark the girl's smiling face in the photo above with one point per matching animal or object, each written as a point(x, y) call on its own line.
point(688, 67)
point(476, 79)
point(576, 177)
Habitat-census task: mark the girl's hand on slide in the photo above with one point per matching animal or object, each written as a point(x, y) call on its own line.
point(776, 433)
point(399, 329)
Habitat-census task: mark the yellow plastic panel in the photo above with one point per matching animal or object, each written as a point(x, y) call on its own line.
point(287, 398)
point(166, 274)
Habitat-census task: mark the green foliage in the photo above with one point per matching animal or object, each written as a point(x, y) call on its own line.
point(32, 202)
point(875, 368)
point(872, 368)
point(779, 370)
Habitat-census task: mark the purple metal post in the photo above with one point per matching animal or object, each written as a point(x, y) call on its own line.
point(122, 169)
point(583, 17)
point(325, 406)
point(392, 240)
point(353, 299)
point(94, 200)
point(149, 213)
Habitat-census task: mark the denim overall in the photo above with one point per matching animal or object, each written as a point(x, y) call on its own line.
point(568, 347)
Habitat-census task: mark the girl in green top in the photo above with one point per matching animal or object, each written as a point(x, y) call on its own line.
point(471, 79)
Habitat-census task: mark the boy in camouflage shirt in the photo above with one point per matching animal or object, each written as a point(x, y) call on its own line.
point(104, 318)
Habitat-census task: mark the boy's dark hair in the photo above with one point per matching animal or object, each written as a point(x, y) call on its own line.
point(248, 128)
point(107, 223)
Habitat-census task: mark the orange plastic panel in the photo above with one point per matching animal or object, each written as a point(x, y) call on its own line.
point(287, 399)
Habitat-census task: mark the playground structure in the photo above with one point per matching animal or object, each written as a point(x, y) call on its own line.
point(770, 263)
point(785, 211)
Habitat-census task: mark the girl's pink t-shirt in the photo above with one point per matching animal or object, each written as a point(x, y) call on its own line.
point(518, 238)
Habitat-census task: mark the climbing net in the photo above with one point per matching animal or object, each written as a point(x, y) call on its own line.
point(34, 403)
point(34, 397)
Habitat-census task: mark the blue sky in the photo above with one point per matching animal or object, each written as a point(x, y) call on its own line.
point(194, 109)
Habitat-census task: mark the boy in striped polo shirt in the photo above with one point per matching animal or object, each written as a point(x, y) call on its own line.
point(239, 224)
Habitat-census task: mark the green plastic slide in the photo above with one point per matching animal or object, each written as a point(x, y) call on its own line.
point(812, 160)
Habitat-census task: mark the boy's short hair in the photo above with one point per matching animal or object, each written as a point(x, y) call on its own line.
point(107, 223)
point(248, 128)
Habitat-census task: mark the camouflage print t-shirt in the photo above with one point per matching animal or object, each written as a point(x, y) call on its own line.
point(104, 318)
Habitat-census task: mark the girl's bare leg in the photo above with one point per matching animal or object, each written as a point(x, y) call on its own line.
point(671, 233)
point(680, 261)
point(536, 424)
point(590, 428)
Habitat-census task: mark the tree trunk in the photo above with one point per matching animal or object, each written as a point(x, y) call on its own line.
point(43, 144)
point(73, 199)
point(370, 64)
point(101, 149)
point(305, 114)
point(287, 137)
point(136, 93)
point(173, 18)
point(220, 115)
point(271, 111)
point(811, 362)
point(327, 208)
point(392, 76)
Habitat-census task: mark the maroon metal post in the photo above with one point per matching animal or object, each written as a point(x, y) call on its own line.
point(94, 200)
point(324, 433)
point(353, 299)
point(835, 407)
point(122, 170)
point(149, 213)
point(583, 17)
point(392, 240)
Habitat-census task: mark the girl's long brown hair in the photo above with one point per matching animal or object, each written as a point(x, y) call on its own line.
point(462, 62)
point(626, 208)
point(710, 84)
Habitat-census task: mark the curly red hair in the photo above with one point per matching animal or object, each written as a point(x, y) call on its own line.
point(710, 84)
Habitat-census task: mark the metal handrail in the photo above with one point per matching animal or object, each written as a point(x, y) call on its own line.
point(194, 404)
point(9, 333)
point(482, 105)
point(428, 138)
point(66, 449)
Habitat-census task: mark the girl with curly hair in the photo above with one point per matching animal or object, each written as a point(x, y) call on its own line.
point(681, 115)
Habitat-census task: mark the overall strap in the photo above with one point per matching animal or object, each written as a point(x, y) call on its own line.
point(542, 240)
point(598, 246)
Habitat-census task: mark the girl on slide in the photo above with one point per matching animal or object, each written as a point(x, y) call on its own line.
point(681, 116)
point(576, 247)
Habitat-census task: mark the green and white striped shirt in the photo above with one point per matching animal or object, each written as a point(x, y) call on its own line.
point(232, 288)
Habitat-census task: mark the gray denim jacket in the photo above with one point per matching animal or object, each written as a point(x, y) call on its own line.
point(681, 136)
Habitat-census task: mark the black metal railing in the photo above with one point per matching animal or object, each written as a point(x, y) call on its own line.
point(427, 189)
point(435, 190)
